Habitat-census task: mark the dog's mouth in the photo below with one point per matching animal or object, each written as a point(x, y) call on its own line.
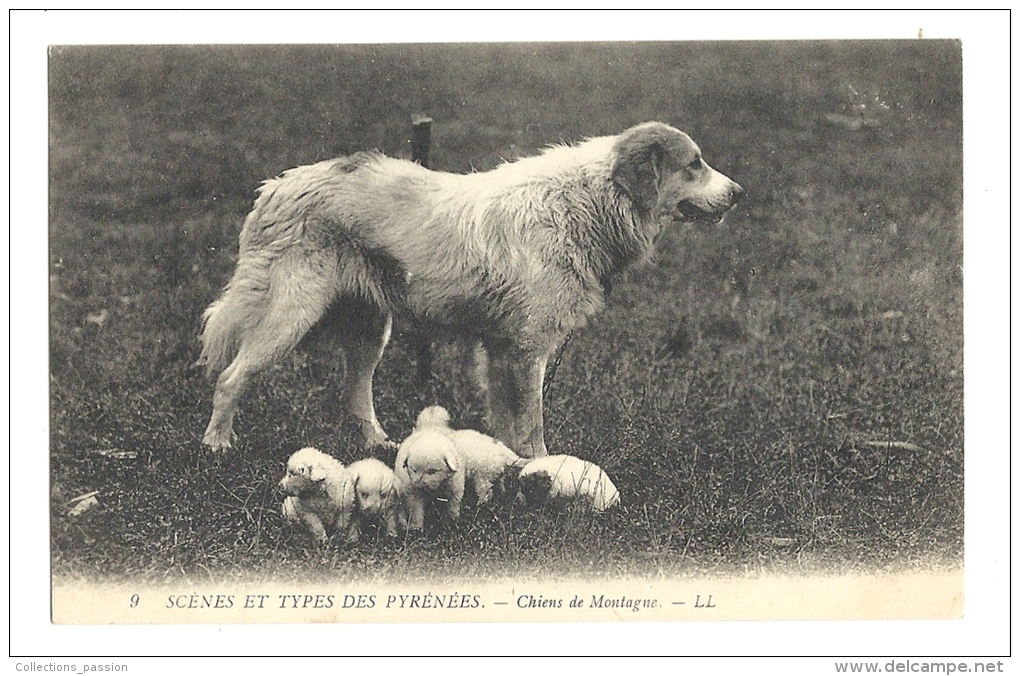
point(687, 210)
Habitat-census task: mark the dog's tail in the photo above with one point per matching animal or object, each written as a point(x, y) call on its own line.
point(239, 310)
point(433, 416)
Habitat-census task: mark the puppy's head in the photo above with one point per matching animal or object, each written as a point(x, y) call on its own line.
point(373, 485)
point(535, 487)
point(506, 488)
point(429, 459)
point(433, 416)
point(306, 470)
point(662, 172)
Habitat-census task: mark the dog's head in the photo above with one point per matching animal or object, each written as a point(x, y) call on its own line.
point(428, 458)
point(535, 487)
point(373, 485)
point(663, 173)
point(306, 470)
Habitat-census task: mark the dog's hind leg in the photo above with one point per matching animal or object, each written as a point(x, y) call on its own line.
point(363, 343)
point(299, 294)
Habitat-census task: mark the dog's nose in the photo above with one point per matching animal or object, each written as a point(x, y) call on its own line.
point(736, 192)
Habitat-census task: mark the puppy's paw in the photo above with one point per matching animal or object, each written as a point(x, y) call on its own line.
point(353, 534)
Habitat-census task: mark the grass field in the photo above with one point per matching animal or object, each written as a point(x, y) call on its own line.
point(736, 390)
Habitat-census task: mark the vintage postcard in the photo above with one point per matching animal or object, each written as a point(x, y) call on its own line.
point(693, 311)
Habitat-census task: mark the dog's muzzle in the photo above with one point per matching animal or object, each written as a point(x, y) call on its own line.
point(690, 211)
point(287, 488)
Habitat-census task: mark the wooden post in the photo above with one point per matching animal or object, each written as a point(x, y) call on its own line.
point(421, 138)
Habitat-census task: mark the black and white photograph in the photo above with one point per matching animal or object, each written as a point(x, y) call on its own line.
point(506, 331)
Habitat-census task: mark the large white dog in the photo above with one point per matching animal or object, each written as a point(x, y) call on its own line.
point(514, 258)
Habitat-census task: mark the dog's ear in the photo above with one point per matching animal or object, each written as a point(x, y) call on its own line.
point(643, 155)
point(640, 155)
point(316, 472)
point(451, 461)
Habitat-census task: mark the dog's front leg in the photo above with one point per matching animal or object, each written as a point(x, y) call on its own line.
point(348, 524)
point(415, 510)
point(354, 531)
point(400, 515)
point(390, 518)
point(315, 527)
point(455, 494)
point(515, 400)
point(483, 489)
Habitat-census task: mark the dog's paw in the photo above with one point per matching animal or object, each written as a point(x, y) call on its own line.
point(217, 442)
point(377, 441)
point(382, 449)
point(385, 444)
point(389, 447)
point(371, 435)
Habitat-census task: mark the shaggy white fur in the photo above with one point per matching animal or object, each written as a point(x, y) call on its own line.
point(320, 495)
point(563, 477)
point(514, 259)
point(438, 462)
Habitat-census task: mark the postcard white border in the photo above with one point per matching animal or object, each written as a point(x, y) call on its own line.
point(983, 631)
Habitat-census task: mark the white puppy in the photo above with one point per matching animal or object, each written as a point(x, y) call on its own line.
point(320, 494)
point(560, 478)
point(378, 495)
point(439, 462)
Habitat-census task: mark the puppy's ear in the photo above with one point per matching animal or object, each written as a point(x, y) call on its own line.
point(451, 461)
point(316, 472)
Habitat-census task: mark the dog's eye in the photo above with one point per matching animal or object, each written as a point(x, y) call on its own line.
point(696, 163)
